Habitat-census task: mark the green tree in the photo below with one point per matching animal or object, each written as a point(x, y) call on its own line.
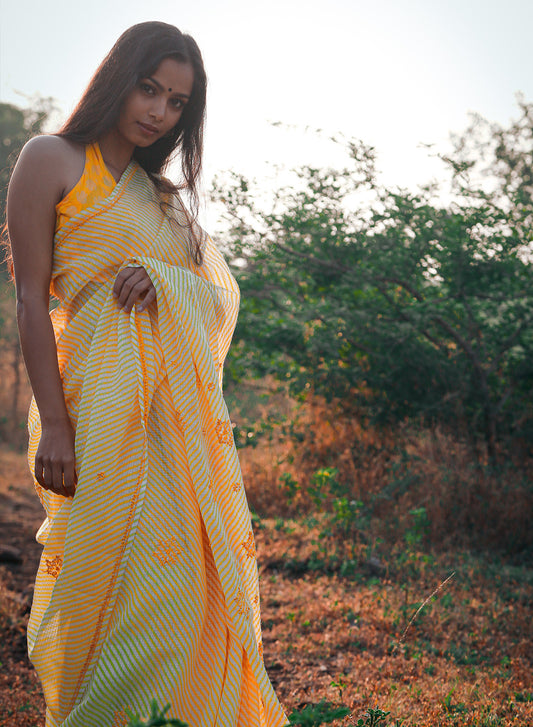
point(394, 303)
point(16, 127)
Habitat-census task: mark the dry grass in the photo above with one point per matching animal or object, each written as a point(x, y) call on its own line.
point(467, 659)
point(393, 472)
point(21, 701)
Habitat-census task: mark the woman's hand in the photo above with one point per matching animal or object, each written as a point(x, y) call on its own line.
point(55, 466)
point(133, 285)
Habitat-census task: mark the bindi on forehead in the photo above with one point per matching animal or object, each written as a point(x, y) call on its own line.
point(161, 87)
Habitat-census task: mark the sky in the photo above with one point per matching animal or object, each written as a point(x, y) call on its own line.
point(395, 73)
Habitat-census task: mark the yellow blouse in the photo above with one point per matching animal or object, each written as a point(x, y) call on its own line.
point(95, 183)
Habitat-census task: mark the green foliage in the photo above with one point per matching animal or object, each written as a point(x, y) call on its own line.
point(16, 127)
point(336, 515)
point(419, 529)
point(289, 486)
point(524, 697)
point(374, 718)
point(396, 304)
point(156, 718)
point(450, 707)
point(314, 715)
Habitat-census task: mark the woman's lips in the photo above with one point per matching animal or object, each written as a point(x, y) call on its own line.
point(148, 129)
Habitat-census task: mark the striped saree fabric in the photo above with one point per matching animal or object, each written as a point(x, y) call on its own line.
point(147, 586)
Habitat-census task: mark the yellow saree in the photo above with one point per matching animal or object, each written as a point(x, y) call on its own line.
point(147, 585)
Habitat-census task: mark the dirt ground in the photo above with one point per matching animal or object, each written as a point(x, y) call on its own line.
point(466, 660)
point(21, 513)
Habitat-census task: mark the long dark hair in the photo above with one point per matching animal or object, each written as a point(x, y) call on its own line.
point(137, 54)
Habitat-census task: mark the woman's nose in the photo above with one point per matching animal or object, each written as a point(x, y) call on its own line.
point(157, 111)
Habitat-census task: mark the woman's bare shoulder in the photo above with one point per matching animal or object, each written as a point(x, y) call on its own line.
point(53, 160)
point(50, 149)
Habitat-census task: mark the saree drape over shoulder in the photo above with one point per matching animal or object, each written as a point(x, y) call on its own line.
point(147, 586)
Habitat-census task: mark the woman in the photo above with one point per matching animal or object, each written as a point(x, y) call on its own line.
point(147, 586)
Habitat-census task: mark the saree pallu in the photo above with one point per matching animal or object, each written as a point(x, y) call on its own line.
point(147, 586)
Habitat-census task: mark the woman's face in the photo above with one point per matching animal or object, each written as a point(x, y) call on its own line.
point(155, 105)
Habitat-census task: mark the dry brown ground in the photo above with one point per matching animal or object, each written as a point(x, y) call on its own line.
point(466, 660)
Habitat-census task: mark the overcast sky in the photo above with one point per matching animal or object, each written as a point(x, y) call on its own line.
point(395, 73)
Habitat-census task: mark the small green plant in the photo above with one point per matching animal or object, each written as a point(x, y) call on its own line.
point(338, 519)
point(374, 718)
point(523, 697)
point(452, 708)
point(315, 715)
point(256, 521)
point(289, 486)
point(156, 718)
point(323, 483)
point(340, 685)
point(420, 527)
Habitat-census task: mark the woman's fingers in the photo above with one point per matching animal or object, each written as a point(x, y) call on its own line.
point(39, 473)
point(47, 476)
point(133, 285)
point(121, 278)
point(57, 477)
point(137, 293)
point(57, 480)
point(148, 298)
point(69, 478)
point(55, 459)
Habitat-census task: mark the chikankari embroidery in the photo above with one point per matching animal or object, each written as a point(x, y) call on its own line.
point(210, 386)
point(224, 432)
point(198, 379)
point(236, 486)
point(167, 551)
point(256, 599)
point(53, 565)
point(242, 605)
point(120, 718)
point(249, 546)
point(100, 476)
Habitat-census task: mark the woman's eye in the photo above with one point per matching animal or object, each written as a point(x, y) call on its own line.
point(146, 87)
point(177, 103)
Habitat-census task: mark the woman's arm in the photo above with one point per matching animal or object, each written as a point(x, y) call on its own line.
point(37, 184)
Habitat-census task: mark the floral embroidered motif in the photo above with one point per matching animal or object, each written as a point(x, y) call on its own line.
point(210, 386)
point(100, 476)
point(249, 546)
point(242, 606)
point(236, 486)
point(260, 649)
point(256, 599)
point(224, 432)
point(167, 551)
point(53, 565)
point(198, 379)
point(120, 718)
